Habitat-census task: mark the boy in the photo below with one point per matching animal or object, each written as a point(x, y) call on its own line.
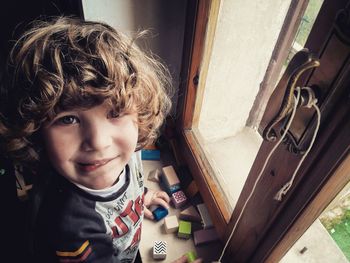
point(82, 99)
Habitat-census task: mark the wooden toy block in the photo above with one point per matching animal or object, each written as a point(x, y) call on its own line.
point(192, 189)
point(178, 199)
point(171, 224)
point(170, 179)
point(147, 154)
point(154, 175)
point(196, 226)
point(150, 147)
point(190, 214)
point(191, 256)
point(206, 220)
point(159, 250)
point(159, 213)
point(174, 188)
point(184, 229)
point(205, 236)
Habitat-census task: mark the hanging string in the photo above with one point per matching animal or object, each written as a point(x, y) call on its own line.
point(296, 101)
point(284, 190)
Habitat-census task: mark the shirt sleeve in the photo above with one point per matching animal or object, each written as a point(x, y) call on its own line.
point(72, 231)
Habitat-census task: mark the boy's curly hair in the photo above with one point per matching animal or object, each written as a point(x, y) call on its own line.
point(68, 63)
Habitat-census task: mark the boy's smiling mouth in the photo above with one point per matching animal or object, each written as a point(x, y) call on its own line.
point(90, 166)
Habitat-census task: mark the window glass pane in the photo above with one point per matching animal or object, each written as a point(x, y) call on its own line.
point(304, 29)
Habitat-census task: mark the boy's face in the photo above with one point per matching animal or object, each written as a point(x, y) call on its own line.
point(91, 147)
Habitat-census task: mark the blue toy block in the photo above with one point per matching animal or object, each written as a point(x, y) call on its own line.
point(159, 213)
point(150, 154)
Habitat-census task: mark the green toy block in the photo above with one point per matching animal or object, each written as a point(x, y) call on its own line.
point(191, 256)
point(184, 229)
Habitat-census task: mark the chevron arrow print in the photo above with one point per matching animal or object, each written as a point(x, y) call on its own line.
point(159, 249)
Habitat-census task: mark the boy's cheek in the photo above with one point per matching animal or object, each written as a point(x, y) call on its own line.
point(55, 145)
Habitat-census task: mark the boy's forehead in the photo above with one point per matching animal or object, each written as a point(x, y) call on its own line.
point(85, 97)
point(82, 107)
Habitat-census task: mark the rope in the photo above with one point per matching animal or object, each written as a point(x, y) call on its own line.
point(296, 101)
point(284, 190)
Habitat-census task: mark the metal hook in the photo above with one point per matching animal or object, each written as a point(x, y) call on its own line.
point(301, 62)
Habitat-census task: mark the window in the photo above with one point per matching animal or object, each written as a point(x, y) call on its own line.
point(235, 71)
point(257, 234)
point(232, 74)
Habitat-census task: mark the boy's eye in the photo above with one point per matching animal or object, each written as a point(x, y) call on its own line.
point(66, 120)
point(114, 114)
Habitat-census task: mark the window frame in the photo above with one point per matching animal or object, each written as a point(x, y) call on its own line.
point(198, 26)
point(200, 30)
point(201, 23)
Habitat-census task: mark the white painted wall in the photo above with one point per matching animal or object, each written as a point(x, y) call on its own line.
point(245, 37)
point(164, 19)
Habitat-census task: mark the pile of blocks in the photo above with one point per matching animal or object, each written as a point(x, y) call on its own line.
point(193, 220)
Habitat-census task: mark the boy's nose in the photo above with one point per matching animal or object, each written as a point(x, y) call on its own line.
point(96, 137)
